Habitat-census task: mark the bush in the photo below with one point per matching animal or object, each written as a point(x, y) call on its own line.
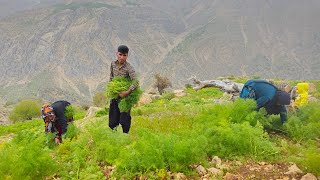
point(74, 111)
point(26, 157)
point(100, 99)
point(25, 110)
point(102, 112)
point(69, 112)
point(161, 83)
point(80, 113)
point(305, 123)
point(168, 96)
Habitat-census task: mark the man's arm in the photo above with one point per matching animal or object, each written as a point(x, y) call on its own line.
point(283, 114)
point(111, 72)
point(262, 101)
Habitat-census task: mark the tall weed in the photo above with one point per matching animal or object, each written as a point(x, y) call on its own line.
point(26, 157)
point(305, 123)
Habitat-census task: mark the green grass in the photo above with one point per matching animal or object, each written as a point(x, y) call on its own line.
point(168, 135)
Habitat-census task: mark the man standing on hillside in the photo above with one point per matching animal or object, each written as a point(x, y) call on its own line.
point(267, 96)
point(122, 68)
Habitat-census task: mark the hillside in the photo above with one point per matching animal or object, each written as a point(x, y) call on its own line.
point(62, 49)
point(200, 135)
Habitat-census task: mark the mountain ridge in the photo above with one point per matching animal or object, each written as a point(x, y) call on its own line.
point(75, 42)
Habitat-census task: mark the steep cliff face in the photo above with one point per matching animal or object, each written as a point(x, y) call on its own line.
point(63, 49)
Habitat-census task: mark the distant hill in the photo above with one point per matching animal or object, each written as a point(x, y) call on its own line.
point(63, 49)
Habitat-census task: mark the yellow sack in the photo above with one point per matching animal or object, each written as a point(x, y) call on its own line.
point(302, 90)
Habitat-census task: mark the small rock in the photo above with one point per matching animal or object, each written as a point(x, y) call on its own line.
point(215, 172)
point(312, 88)
point(216, 161)
point(238, 163)
point(145, 99)
point(294, 170)
point(92, 111)
point(309, 176)
point(152, 91)
point(230, 176)
point(179, 93)
point(201, 170)
point(312, 99)
point(179, 176)
point(268, 167)
point(253, 168)
point(156, 96)
point(205, 177)
point(262, 163)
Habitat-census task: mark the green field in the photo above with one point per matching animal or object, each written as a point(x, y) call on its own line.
point(170, 134)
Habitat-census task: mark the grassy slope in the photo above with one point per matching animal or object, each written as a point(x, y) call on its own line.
point(166, 135)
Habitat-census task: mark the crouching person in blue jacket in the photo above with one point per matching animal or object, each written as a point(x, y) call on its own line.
point(267, 96)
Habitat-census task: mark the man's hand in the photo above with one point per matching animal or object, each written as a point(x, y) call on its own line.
point(123, 94)
point(57, 140)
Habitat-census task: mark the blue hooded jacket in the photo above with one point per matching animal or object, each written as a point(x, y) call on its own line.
point(265, 97)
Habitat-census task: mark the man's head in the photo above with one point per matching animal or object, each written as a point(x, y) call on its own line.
point(282, 98)
point(48, 116)
point(122, 53)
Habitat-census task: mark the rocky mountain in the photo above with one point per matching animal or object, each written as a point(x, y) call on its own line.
point(63, 49)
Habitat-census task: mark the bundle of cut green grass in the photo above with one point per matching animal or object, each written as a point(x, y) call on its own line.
point(69, 112)
point(119, 84)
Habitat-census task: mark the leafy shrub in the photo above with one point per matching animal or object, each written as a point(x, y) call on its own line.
point(25, 110)
point(100, 99)
point(188, 86)
point(243, 111)
point(119, 84)
point(166, 136)
point(102, 112)
point(241, 140)
point(69, 112)
point(305, 123)
point(72, 131)
point(161, 83)
point(19, 126)
point(168, 96)
point(75, 111)
point(26, 157)
point(311, 161)
point(80, 113)
point(153, 151)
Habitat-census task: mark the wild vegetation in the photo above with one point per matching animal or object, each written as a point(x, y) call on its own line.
point(168, 135)
point(161, 83)
point(25, 110)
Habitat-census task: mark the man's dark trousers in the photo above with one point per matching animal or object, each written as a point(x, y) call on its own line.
point(116, 118)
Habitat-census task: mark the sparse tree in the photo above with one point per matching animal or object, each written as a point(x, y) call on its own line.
point(100, 99)
point(161, 83)
point(25, 110)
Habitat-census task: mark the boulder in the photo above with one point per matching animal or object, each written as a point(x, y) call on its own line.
point(312, 88)
point(309, 176)
point(145, 99)
point(215, 172)
point(92, 111)
point(201, 170)
point(179, 93)
point(293, 170)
